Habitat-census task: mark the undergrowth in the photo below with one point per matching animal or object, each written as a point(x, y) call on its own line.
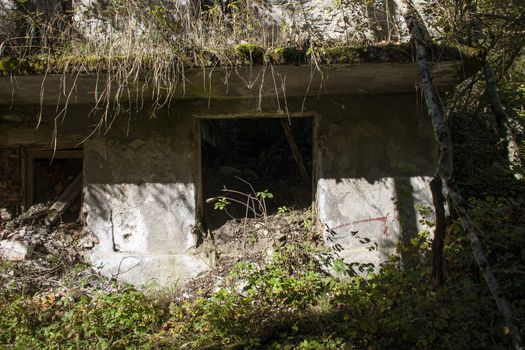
point(292, 302)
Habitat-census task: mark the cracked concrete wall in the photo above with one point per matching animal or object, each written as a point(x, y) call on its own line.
point(373, 158)
point(139, 199)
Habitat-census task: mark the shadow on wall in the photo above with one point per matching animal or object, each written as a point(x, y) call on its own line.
point(357, 213)
point(372, 159)
point(376, 157)
point(137, 195)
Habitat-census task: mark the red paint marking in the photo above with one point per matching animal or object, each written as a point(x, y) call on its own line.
point(382, 219)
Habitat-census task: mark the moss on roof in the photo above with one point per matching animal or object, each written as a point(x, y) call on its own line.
point(243, 54)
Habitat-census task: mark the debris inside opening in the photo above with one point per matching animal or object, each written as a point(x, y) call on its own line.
point(50, 179)
point(248, 161)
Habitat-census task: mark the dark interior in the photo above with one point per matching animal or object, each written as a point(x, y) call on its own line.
point(237, 153)
point(52, 177)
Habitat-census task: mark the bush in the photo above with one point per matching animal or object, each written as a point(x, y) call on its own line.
point(104, 321)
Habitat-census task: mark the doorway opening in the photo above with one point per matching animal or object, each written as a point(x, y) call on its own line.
point(48, 175)
point(270, 158)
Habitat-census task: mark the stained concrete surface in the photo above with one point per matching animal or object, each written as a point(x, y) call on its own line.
point(374, 162)
point(139, 199)
point(247, 82)
point(372, 158)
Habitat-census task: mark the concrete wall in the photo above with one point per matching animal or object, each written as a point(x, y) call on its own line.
point(374, 162)
point(139, 199)
point(341, 20)
point(373, 155)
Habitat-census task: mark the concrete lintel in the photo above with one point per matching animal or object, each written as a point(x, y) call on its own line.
point(28, 135)
point(236, 82)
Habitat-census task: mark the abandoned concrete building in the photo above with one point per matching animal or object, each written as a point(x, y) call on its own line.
point(350, 139)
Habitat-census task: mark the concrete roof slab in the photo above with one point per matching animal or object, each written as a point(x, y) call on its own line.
point(232, 82)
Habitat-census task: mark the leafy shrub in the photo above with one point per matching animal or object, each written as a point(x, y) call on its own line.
point(258, 302)
point(105, 321)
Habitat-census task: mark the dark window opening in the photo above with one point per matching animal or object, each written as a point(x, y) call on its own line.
point(270, 154)
point(49, 175)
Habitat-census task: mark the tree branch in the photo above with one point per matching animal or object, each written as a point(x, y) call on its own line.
point(496, 106)
point(517, 20)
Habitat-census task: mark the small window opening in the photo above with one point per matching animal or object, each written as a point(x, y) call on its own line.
point(271, 157)
point(49, 175)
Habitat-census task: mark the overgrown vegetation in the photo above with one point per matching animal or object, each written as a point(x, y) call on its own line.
point(292, 301)
point(142, 49)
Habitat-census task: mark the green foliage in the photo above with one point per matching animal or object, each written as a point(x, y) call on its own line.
point(264, 194)
point(106, 321)
point(283, 210)
point(221, 203)
point(258, 302)
point(309, 221)
point(339, 266)
point(7, 66)
point(293, 302)
point(249, 53)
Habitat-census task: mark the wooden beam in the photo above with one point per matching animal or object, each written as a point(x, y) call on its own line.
point(29, 181)
point(295, 150)
point(64, 200)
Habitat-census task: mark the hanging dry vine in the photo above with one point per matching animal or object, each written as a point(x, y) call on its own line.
point(140, 50)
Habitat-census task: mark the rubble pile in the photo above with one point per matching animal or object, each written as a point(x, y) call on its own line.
point(248, 240)
point(37, 257)
point(44, 259)
point(238, 237)
point(33, 237)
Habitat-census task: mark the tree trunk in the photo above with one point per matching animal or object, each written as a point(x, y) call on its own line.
point(439, 231)
point(445, 169)
point(496, 106)
point(502, 120)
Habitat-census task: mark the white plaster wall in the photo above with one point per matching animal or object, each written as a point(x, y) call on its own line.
point(367, 209)
point(352, 210)
point(151, 218)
